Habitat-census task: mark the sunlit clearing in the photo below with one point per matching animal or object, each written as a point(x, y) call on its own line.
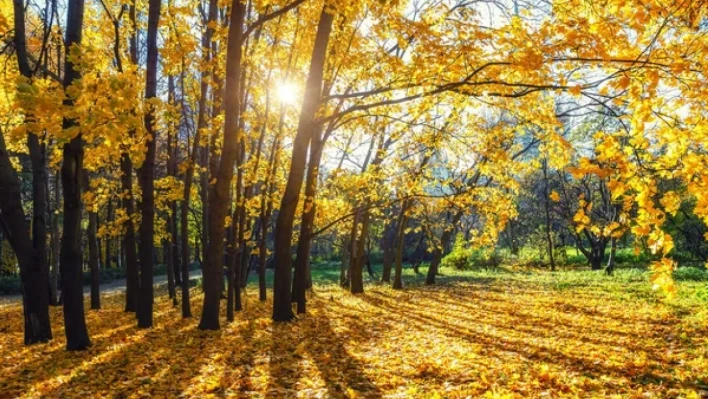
point(287, 92)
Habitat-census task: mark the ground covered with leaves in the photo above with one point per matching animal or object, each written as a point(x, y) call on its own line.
point(479, 335)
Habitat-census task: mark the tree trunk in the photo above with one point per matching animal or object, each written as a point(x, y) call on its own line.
point(388, 245)
point(93, 258)
point(129, 247)
point(147, 177)
point(357, 275)
point(169, 243)
point(36, 268)
point(35, 299)
point(611, 260)
point(71, 259)
point(109, 217)
point(231, 264)
point(54, 275)
point(400, 235)
point(169, 265)
point(39, 213)
point(218, 202)
point(128, 244)
point(302, 261)
point(202, 154)
point(175, 247)
point(307, 126)
point(547, 206)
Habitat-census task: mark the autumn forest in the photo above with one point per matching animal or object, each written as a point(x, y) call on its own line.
point(353, 198)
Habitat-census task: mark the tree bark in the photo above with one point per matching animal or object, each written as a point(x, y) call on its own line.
point(611, 260)
point(93, 259)
point(109, 217)
point(126, 166)
point(307, 126)
point(218, 202)
point(302, 261)
point(438, 252)
point(169, 243)
point(55, 246)
point(400, 235)
point(71, 259)
point(547, 206)
point(14, 225)
point(202, 154)
point(37, 267)
point(357, 276)
point(388, 243)
point(147, 177)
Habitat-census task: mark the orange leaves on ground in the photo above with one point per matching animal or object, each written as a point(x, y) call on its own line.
point(490, 338)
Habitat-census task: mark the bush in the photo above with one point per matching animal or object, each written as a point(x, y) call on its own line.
point(487, 258)
point(691, 274)
point(460, 256)
point(627, 256)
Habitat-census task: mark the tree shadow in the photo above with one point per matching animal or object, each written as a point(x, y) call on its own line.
point(501, 347)
point(313, 338)
point(283, 367)
point(340, 370)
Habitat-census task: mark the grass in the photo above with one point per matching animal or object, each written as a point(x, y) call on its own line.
point(483, 333)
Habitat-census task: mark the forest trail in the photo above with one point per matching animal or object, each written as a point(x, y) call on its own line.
point(112, 287)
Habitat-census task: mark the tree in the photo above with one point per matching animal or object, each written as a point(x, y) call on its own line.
point(147, 176)
point(71, 260)
point(307, 128)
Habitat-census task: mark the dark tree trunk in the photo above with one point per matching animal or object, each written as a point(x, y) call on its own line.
point(219, 201)
point(266, 211)
point(231, 264)
point(93, 259)
point(433, 268)
point(129, 248)
point(388, 245)
point(71, 259)
point(15, 229)
point(346, 258)
point(147, 177)
point(128, 244)
point(184, 227)
point(175, 247)
point(611, 260)
point(35, 277)
point(547, 208)
point(302, 261)
point(39, 213)
point(169, 264)
point(307, 126)
point(55, 246)
point(400, 235)
point(201, 153)
point(109, 217)
point(169, 243)
point(357, 275)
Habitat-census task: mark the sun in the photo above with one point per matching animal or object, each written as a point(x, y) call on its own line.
point(287, 93)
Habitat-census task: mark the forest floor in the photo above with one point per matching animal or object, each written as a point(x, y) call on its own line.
point(475, 334)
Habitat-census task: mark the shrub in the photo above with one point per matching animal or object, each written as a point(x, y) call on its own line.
point(691, 274)
point(484, 257)
point(460, 256)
